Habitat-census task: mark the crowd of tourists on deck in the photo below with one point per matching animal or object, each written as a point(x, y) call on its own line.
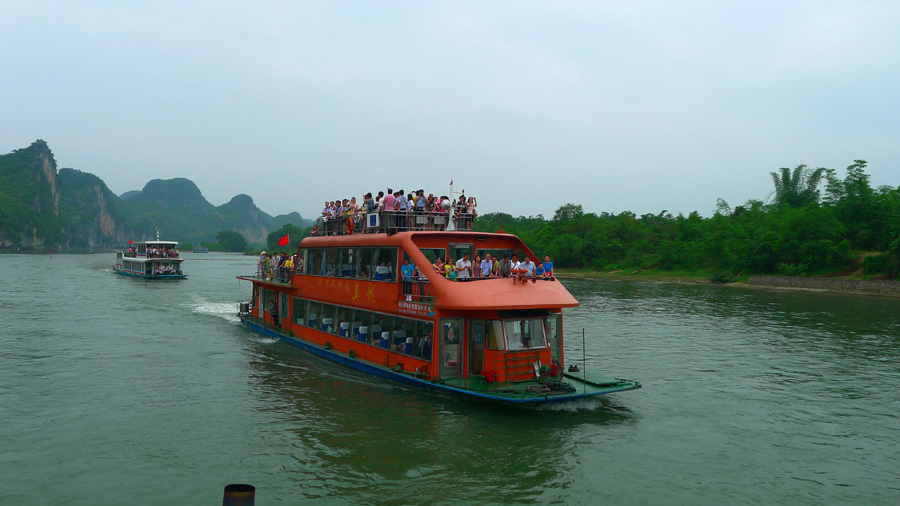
point(163, 270)
point(398, 211)
point(153, 252)
point(277, 267)
point(485, 268)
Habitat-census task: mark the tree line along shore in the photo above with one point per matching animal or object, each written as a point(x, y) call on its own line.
point(817, 225)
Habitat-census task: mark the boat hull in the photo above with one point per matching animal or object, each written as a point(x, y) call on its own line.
point(169, 277)
point(478, 389)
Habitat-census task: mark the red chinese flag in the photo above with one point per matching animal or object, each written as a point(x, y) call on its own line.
point(284, 241)
point(129, 241)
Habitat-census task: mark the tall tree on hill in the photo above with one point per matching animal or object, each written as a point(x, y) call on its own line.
point(798, 187)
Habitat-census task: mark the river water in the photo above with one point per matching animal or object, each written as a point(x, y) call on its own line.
point(121, 391)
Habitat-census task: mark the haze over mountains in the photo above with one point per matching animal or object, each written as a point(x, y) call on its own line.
point(67, 210)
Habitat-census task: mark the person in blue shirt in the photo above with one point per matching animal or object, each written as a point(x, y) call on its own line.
point(408, 272)
point(548, 267)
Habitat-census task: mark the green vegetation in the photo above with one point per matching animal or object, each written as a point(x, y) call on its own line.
point(228, 240)
point(295, 235)
point(801, 233)
point(27, 202)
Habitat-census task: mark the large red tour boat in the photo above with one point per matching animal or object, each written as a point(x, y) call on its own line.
point(492, 338)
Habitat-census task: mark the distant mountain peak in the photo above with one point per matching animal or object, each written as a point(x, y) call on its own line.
point(178, 188)
point(242, 200)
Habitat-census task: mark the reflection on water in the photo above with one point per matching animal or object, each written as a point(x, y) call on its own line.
point(356, 431)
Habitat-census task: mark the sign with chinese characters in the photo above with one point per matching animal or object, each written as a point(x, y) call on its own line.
point(413, 308)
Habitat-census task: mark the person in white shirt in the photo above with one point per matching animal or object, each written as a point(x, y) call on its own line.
point(526, 270)
point(464, 268)
point(486, 266)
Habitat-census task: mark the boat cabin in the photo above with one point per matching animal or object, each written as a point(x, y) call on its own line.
point(349, 292)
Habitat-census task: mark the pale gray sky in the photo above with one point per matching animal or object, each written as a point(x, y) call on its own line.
point(632, 105)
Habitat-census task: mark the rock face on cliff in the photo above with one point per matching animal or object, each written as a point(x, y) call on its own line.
point(92, 217)
point(42, 209)
point(29, 198)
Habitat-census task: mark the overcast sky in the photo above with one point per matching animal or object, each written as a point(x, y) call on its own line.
point(635, 105)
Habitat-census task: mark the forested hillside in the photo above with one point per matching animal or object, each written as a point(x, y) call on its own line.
point(817, 224)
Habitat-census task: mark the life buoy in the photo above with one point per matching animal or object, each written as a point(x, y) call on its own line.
point(349, 225)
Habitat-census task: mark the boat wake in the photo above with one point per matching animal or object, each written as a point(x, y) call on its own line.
point(588, 404)
point(224, 310)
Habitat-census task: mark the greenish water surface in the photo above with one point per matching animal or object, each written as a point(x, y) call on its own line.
point(122, 391)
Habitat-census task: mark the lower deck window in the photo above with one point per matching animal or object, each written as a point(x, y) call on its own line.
point(518, 334)
point(402, 335)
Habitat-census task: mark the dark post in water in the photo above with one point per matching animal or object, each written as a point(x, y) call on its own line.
point(239, 495)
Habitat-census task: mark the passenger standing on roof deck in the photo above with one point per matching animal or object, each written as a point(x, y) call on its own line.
point(487, 266)
point(389, 202)
point(401, 210)
point(410, 208)
point(464, 268)
point(421, 209)
point(431, 206)
point(408, 272)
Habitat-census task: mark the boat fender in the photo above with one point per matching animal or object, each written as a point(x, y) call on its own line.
point(327, 345)
point(398, 367)
point(351, 354)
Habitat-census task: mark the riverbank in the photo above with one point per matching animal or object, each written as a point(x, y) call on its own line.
point(881, 288)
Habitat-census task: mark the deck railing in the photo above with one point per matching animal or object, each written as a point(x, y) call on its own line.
point(393, 221)
point(278, 274)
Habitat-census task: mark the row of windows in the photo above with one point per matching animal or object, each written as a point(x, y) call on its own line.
point(380, 264)
point(377, 264)
point(396, 333)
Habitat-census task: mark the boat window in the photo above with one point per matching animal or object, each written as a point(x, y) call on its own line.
point(496, 253)
point(346, 261)
point(330, 261)
point(384, 264)
point(312, 316)
point(314, 261)
point(524, 334)
point(283, 306)
point(300, 311)
point(359, 326)
point(451, 333)
point(494, 331)
point(341, 321)
point(458, 250)
point(476, 346)
point(300, 267)
point(402, 335)
point(364, 263)
point(552, 327)
point(432, 254)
